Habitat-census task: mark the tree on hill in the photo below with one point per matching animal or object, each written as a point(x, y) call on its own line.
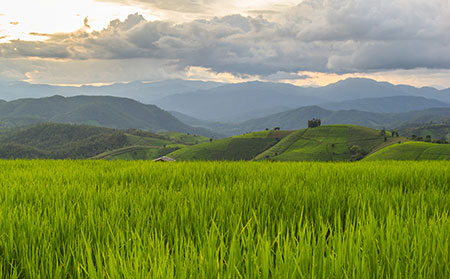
point(357, 153)
point(313, 123)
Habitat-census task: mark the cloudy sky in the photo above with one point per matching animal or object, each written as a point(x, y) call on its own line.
point(309, 42)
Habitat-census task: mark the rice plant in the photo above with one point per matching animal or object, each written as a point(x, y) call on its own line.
point(97, 219)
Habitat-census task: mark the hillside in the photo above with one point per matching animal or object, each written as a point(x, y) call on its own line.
point(244, 147)
point(416, 151)
point(67, 141)
point(325, 143)
point(328, 143)
point(111, 112)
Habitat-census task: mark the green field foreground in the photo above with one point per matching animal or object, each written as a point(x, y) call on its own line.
point(99, 219)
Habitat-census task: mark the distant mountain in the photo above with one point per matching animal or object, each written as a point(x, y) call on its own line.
point(241, 101)
point(394, 104)
point(359, 88)
point(112, 112)
point(140, 91)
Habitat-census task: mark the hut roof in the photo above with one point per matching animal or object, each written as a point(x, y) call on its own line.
point(164, 159)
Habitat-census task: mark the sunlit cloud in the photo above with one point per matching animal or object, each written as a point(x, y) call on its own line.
point(313, 43)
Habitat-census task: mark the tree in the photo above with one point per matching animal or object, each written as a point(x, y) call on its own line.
point(313, 123)
point(276, 128)
point(428, 138)
point(357, 153)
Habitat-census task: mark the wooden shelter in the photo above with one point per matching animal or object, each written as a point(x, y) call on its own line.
point(164, 159)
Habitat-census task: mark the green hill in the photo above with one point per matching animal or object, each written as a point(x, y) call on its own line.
point(244, 147)
point(106, 111)
point(326, 143)
point(329, 143)
point(69, 141)
point(148, 148)
point(417, 151)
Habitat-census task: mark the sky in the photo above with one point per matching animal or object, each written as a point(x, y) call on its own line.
point(307, 43)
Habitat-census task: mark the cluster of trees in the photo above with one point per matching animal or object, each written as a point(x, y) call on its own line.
point(313, 123)
point(429, 139)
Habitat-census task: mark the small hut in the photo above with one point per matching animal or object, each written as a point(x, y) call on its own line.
point(164, 159)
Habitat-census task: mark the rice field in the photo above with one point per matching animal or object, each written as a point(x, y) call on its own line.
point(100, 219)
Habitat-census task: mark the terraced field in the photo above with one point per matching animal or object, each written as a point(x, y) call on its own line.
point(415, 151)
point(325, 143)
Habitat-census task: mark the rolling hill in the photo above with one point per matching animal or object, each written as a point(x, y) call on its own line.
point(111, 112)
point(415, 151)
point(68, 141)
point(244, 147)
point(325, 143)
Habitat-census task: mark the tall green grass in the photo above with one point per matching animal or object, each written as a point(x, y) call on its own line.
point(96, 219)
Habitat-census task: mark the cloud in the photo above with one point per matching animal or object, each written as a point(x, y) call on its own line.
point(331, 36)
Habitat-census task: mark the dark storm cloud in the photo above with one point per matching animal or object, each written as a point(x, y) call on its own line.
point(317, 35)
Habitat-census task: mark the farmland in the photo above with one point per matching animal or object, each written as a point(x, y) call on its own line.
point(117, 219)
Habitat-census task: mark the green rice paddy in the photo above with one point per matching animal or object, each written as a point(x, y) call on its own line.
point(101, 219)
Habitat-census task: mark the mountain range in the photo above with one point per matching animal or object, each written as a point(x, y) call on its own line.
point(141, 91)
point(216, 110)
point(245, 101)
